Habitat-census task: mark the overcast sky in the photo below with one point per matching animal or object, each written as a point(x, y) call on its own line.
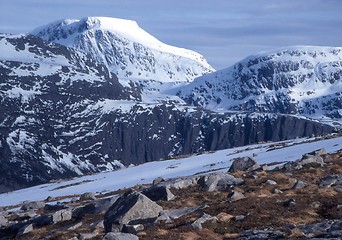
point(224, 31)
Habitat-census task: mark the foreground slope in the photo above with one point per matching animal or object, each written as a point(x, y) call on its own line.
point(299, 199)
point(268, 153)
point(296, 80)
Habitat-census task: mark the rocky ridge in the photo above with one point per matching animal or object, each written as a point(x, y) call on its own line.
point(298, 80)
point(298, 202)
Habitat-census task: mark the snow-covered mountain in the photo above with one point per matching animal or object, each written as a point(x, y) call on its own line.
point(64, 114)
point(126, 49)
point(298, 80)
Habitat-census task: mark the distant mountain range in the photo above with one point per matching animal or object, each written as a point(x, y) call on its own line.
point(97, 94)
point(304, 81)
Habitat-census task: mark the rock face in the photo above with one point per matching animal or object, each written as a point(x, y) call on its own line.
point(297, 80)
point(133, 208)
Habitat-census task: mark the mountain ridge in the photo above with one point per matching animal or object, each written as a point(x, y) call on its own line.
point(298, 80)
point(126, 49)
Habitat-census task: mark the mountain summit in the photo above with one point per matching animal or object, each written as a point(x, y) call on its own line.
point(126, 49)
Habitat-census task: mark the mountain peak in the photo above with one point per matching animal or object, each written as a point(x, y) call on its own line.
point(128, 50)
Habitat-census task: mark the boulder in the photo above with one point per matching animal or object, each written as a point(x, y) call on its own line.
point(32, 205)
point(312, 160)
point(87, 196)
point(271, 182)
point(130, 208)
point(3, 221)
point(95, 207)
point(224, 217)
point(205, 218)
point(235, 196)
point(24, 230)
point(158, 193)
point(331, 181)
point(134, 229)
point(180, 183)
point(168, 215)
point(61, 215)
point(299, 184)
point(244, 164)
point(52, 218)
point(324, 229)
point(268, 233)
point(55, 207)
point(158, 180)
point(119, 236)
point(218, 181)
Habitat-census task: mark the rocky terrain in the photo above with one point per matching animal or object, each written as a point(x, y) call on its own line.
point(291, 200)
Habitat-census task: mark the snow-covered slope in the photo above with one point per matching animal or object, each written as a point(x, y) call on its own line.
point(126, 49)
point(145, 173)
point(296, 80)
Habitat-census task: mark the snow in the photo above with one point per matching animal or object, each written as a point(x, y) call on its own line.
point(126, 49)
point(308, 76)
point(145, 173)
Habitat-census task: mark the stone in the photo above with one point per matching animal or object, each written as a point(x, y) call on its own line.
point(323, 229)
point(271, 182)
point(268, 233)
point(312, 160)
point(97, 224)
point(218, 181)
point(62, 215)
point(289, 202)
point(95, 207)
point(84, 236)
point(158, 180)
point(87, 196)
point(32, 205)
point(119, 236)
point(181, 183)
point(317, 152)
point(235, 196)
point(299, 184)
point(277, 191)
point(52, 218)
point(24, 230)
point(290, 166)
point(158, 193)
point(134, 229)
point(239, 217)
point(168, 215)
point(331, 181)
point(3, 221)
point(54, 207)
point(205, 218)
point(224, 217)
point(243, 164)
point(132, 208)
